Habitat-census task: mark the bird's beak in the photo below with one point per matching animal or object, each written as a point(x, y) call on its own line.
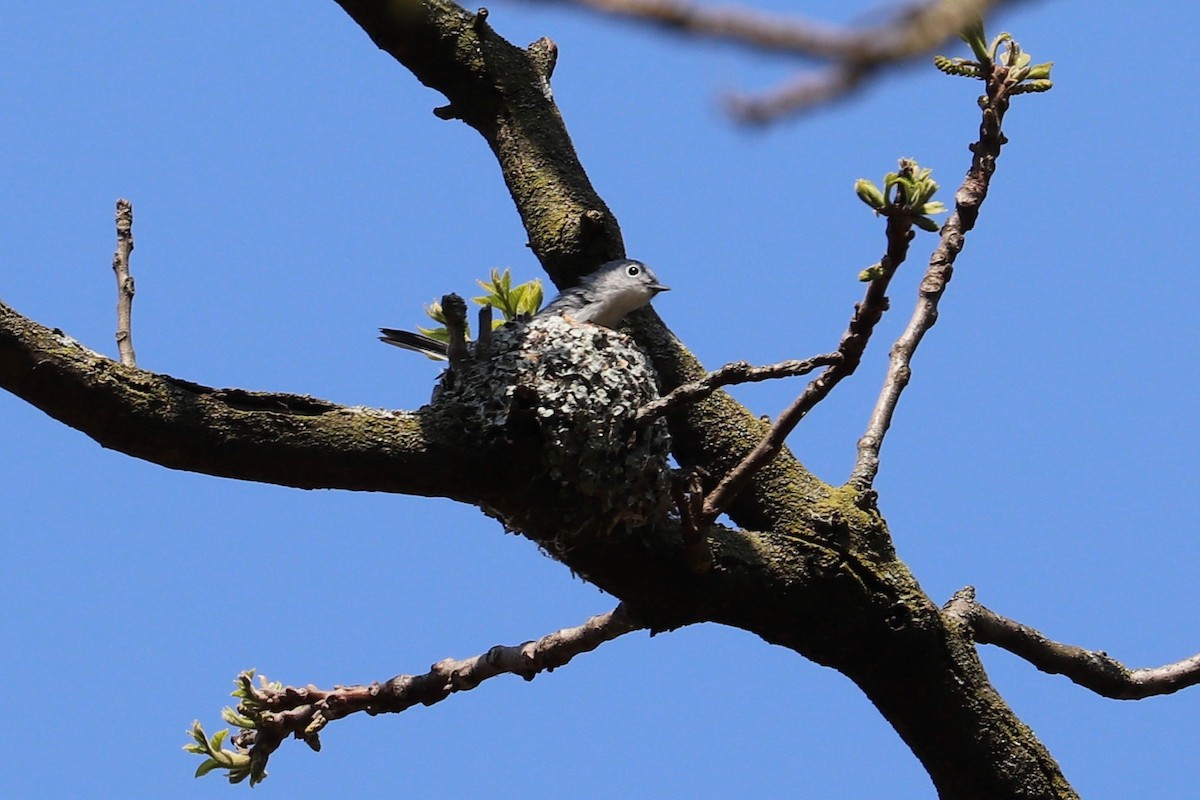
point(658, 287)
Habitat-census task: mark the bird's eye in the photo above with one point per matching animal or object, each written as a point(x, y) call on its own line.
point(632, 270)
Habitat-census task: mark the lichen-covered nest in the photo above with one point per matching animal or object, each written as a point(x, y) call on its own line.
point(573, 388)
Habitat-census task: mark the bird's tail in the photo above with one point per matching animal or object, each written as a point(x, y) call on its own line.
point(415, 341)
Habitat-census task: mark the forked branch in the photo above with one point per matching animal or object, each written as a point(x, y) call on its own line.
point(841, 364)
point(1091, 669)
point(1002, 81)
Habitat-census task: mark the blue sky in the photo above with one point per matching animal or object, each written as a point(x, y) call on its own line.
point(292, 192)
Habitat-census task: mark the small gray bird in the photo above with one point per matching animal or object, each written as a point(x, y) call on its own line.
point(603, 298)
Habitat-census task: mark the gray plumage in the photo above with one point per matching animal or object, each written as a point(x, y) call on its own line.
point(602, 298)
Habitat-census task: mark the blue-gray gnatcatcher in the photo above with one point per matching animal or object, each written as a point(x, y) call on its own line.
point(603, 298)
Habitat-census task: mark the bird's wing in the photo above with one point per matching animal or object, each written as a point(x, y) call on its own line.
point(567, 302)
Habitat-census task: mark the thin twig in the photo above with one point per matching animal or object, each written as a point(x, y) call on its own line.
point(733, 373)
point(125, 288)
point(855, 53)
point(809, 90)
point(303, 712)
point(849, 354)
point(688, 493)
point(1091, 669)
point(915, 32)
point(967, 201)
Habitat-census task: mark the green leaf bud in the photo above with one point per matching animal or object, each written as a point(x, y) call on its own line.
point(1040, 71)
point(871, 273)
point(869, 193)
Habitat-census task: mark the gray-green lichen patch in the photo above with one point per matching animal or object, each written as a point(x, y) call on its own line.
point(570, 389)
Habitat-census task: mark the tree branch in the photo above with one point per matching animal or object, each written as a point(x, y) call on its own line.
point(917, 29)
point(125, 288)
point(1091, 669)
point(284, 439)
point(807, 91)
point(849, 355)
point(731, 374)
point(688, 494)
point(820, 578)
point(304, 712)
point(502, 92)
point(967, 201)
point(857, 53)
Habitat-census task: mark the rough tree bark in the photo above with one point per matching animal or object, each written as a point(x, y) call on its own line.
point(812, 566)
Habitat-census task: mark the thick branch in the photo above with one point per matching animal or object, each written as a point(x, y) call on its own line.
point(820, 579)
point(286, 439)
point(304, 442)
point(1091, 669)
point(501, 91)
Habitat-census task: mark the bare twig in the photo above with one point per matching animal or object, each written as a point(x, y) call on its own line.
point(733, 373)
point(856, 53)
point(688, 493)
point(1091, 669)
point(125, 289)
point(303, 712)
point(916, 31)
point(967, 201)
point(849, 354)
